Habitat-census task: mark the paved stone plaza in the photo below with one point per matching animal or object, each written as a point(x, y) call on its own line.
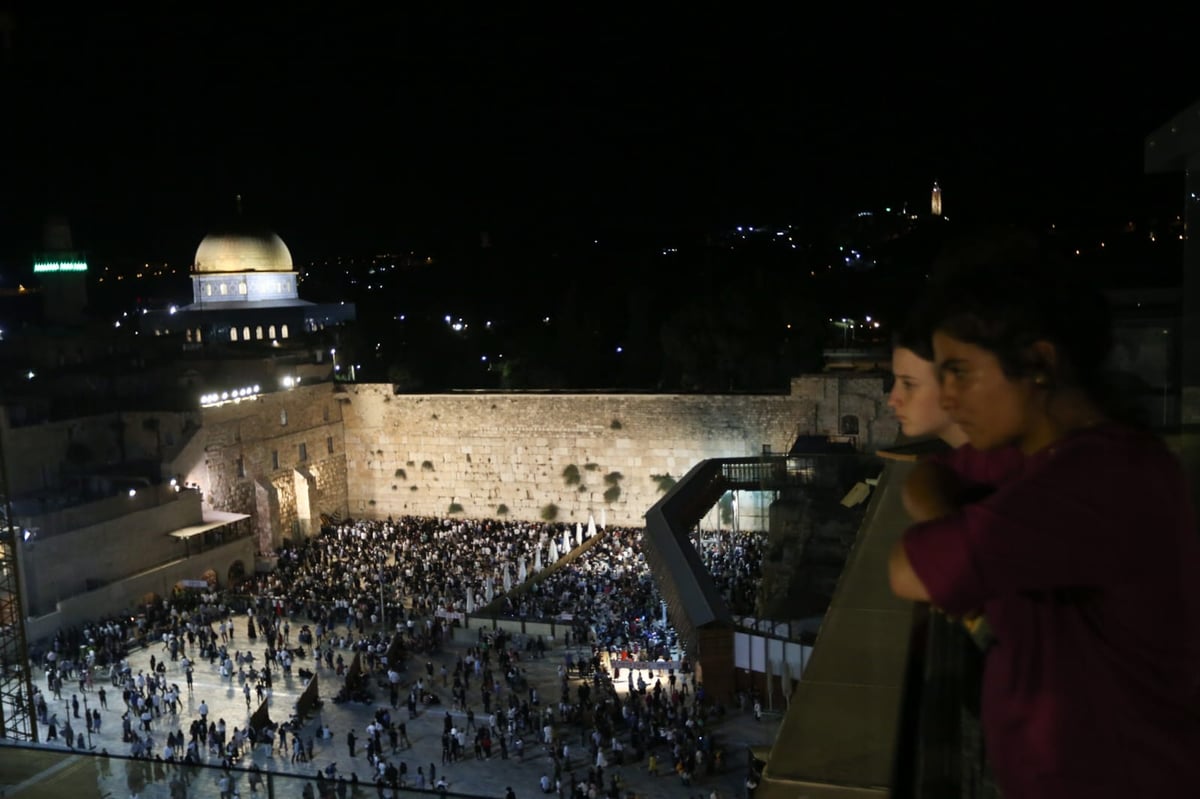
point(491, 777)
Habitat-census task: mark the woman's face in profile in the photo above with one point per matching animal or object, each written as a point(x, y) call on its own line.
point(915, 398)
point(993, 409)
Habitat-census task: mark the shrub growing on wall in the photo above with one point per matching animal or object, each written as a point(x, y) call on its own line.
point(615, 424)
point(501, 509)
point(549, 512)
point(613, 481)
point(427, 466)
point(665, 482)
point(571, 475)
point(591, 467)
point(403, 475)
point(454, 508)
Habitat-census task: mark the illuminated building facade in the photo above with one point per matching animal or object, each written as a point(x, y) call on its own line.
point(245, 289)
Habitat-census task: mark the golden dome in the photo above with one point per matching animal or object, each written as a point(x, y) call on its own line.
point(242, 252)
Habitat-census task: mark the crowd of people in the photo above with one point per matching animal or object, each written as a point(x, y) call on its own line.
point(358, 571)
point(734, 558)
point(610, 593)
point(394, 587)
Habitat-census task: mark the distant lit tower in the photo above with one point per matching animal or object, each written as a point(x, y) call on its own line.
point(62, 272)
point(936, 201)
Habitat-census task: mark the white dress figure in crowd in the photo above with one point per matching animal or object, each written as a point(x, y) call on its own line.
point(470, 600)
point(553, 551)
point(566, 547)
point(522, 573)
point(488, 590)
point(602, 515)
point(591, 530)
point(537, 561)
point(507, 579)
point(578, 533)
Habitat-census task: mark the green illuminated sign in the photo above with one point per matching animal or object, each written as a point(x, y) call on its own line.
point(42, 265)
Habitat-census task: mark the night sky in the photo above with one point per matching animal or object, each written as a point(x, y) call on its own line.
point(350, 132)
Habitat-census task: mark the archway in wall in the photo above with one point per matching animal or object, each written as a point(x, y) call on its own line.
point(237, 573)
point(150, 608)
point(187, 594)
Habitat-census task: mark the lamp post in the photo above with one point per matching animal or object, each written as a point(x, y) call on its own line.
point(87, 721)
point(382, 606)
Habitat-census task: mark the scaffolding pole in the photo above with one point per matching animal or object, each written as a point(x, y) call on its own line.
point(17, 715)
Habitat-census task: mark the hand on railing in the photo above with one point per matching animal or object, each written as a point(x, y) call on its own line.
point(976, 625)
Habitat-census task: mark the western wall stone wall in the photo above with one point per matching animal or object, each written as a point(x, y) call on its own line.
point(486, 453)
point(499, 454)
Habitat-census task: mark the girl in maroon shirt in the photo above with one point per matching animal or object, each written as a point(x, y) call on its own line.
point(1086, 563)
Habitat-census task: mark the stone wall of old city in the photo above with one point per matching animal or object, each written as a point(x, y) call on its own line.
point(50, 457)
point(260, 454)
point(122, 596)
point(520, 455)
point(484, 454)
point(533, 456)
point(108, 550)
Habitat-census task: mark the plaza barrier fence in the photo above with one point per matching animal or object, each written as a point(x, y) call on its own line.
point(29, 769)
